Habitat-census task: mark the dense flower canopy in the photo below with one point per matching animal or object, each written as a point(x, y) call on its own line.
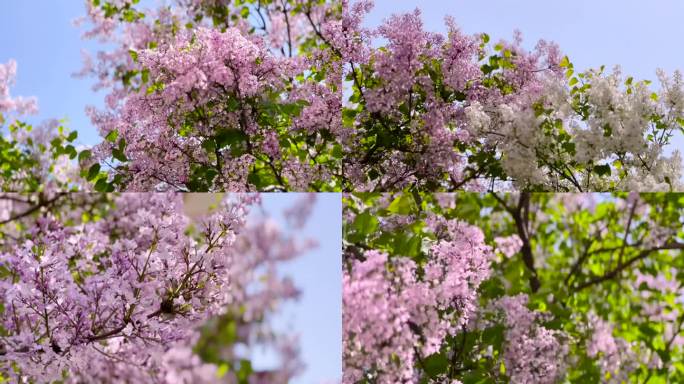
point(387, 304)
point(217, 95)
point(302, 95)
point(454, 111)
point(499, 283)
point(519, 288)
point(131, 288)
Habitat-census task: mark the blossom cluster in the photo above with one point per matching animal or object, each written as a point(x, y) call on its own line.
point(449, 111)
point(33, 158)
point(600, 121)
point(397, 313)
point(8, 104)
point(219, 77)
point(615, 356)
point(532, 353)
point(124, 298)
point(509, 245)
point(566, 287)
point(211, 95)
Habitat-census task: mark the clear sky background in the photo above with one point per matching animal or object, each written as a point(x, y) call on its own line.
point(317, 316)
point(40, 36)
point(640, 36)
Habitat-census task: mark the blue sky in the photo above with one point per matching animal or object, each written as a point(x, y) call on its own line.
point(40, 36)
point(317, 317)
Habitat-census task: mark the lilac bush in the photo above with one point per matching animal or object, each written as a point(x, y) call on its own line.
point(450, 111)
point(216, 95)
point(513, 288)
point(130, 288)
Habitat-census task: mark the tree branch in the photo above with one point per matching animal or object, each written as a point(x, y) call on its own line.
point(624, 265)
point(41, 203)
point(520, 215)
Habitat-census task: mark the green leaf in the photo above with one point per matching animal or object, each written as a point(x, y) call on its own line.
point(402, 205)
point(233, 104)
point(72, 136)
point(602, 170)
point(337, 152)
point(119, 155)
point(112, 136)
point(254, 179)
point(102, 185)
point(222, 370)
point(244, 372)
point(365, 224)
point(485, 38)
point(85, 155)
point(436, 364)
point(93, 172)
point(228, 137)
point(56, 143)
point(565, 62)
point(244, 12)
point(71, 151)
point(647, 330)
point(209, 145)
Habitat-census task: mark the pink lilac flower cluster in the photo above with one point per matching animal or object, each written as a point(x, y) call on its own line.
point(547, 337)
point(532, 353)
point(614, 355)
point(225, 72)
point(34, 145)
point(202, 68)
point(509, 245)
point(54, 173)
point(397, 313)
point(121, 299)
point(8, 104)
point(399, 70)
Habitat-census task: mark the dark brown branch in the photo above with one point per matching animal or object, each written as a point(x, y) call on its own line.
point(520, 216)
point(522, 224)
point(632, 211)
point(578, 264)
point(622, 266)
point(35, 208)
point(111, 333)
